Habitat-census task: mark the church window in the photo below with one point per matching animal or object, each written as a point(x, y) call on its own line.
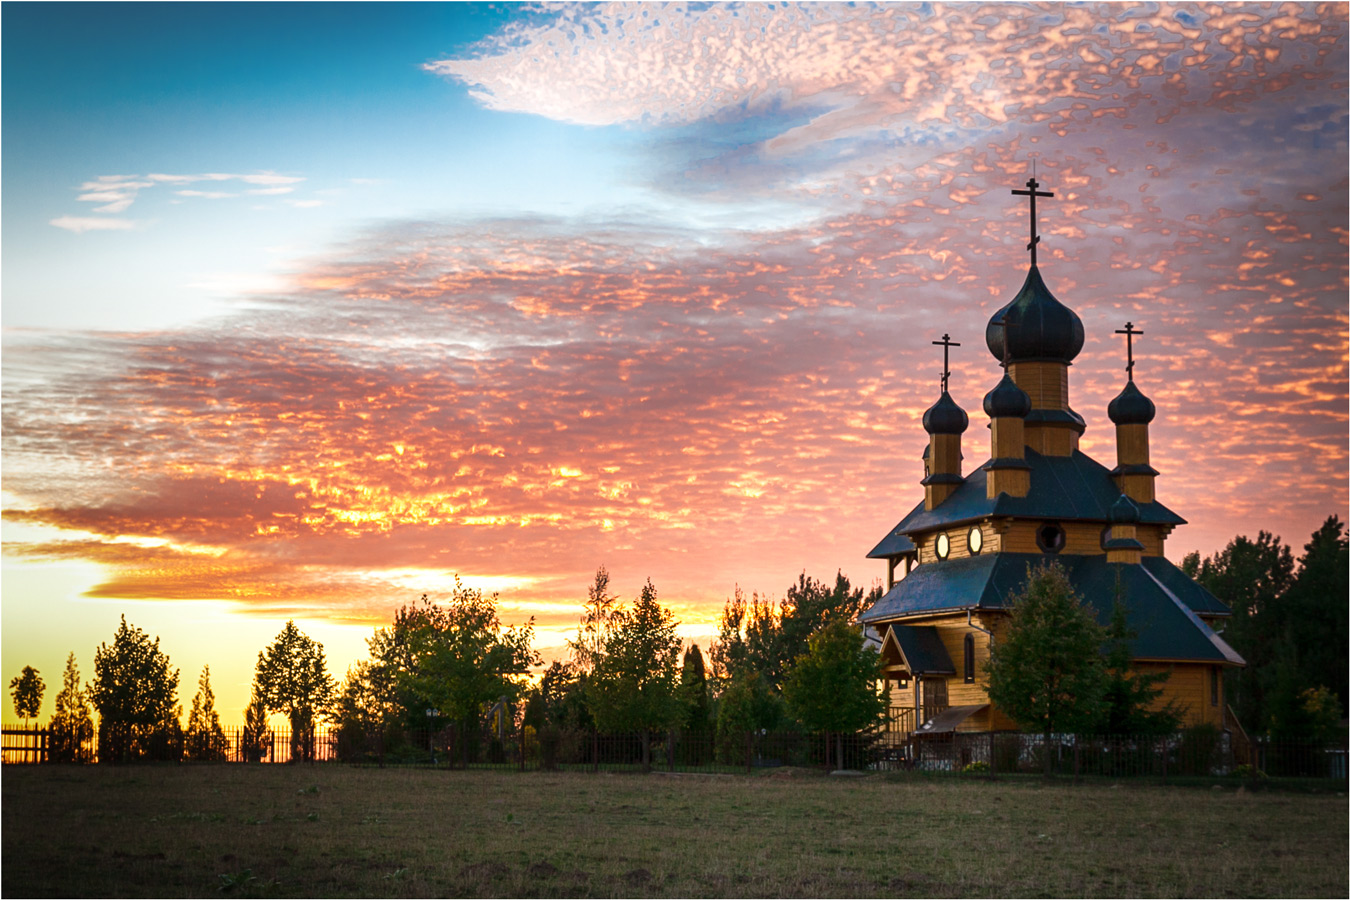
point(1214, 686)
point(943, 545)
point(975, 540)
point(970, 659)
point(1050, 537)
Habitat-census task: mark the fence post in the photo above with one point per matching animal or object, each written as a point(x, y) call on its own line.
point(595, 751)
point(1163, 740)
point(1076, 739)
point(670, 750)
point(522, 743)
point(747, 753)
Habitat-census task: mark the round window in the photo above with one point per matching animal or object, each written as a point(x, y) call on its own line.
point(943, 545)
point(975, 539)
point(1050, 537)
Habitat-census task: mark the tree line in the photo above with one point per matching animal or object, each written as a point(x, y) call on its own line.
point(795, 664)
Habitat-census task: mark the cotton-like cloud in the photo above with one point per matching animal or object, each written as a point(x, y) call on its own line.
point(80, 224)
point(117, 193)
point(707, 406)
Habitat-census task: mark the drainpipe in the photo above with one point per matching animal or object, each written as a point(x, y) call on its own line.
point(971, 624)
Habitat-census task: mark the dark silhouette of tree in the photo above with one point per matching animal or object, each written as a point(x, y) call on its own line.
point(454, 657)
point(834, 685)
point(1047, 672)
point(634, 685)
point(72, 725)
point(136, 695)
point(257, 737)
point(596, 617)
point(1252, 577)
point(205, 740)
point(292, 678)
point(698, 723)
point(27, 688)
point(763, 638)
point(1130, 694)
point(1315, 611)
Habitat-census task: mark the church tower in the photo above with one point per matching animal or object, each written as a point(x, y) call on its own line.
point(970, 543)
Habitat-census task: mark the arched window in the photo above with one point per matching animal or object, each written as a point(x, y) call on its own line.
point(970, 658)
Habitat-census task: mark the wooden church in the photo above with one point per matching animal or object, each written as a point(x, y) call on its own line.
point(954, 560)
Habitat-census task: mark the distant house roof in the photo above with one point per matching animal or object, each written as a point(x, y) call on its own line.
point(1161, 601)
point(1062, 487)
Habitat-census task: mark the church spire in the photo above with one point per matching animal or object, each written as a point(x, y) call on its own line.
point(1131, 412)
point(945, 422)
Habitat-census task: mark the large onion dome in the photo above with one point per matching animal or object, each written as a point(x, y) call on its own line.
point(1131, 407)
point(1007, 400)
point(1039, 327)
point(945, 417)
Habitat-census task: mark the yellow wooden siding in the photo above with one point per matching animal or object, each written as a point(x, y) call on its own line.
point(1188, 684)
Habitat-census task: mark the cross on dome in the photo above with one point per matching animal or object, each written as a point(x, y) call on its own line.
point(947, 343)
point(1129, 332)
point(1031, 192)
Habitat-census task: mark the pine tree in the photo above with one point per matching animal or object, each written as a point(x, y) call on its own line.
point(1130, 694)
point(257, 737)
point(205, 738)
point(635, 686)
point(72, 725)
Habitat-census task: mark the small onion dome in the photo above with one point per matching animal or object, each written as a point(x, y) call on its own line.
point(1131, 407)
point(1124, 512)
point(1007, 400)
point(945, 417)
point(1040, 328)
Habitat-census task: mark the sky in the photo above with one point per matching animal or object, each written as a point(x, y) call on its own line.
point(309, 308)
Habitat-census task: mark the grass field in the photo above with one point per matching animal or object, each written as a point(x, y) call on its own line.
point(285, 831)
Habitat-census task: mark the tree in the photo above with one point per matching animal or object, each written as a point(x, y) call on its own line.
point(257, 737)
point(834, 685)
point(72, 724)
point(698, 723)
point(747, 703)
point(1252, 577)
point(292, 678)
point(635, 683)
point(596, 617)
point(455, 658)
point(26, 688)
point(136, 695)
point(1131, 695)
point(205, 738)
point(763, 638)
point(1315, 610)
point(1046, 673)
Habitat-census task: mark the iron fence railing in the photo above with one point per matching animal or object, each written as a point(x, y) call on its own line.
point(1192, 753)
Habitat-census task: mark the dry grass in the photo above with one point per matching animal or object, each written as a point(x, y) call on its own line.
point(331, 831)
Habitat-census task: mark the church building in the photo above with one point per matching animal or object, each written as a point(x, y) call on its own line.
point(953, 562)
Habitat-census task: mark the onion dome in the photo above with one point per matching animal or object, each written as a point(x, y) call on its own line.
point(1007, 400)
point(945, 417)
point(1124, 512)
point(1131, 407)
point(1039, 327)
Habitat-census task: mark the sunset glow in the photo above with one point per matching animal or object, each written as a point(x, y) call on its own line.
point(307, 317)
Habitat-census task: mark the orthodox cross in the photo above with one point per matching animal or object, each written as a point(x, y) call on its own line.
point(1032, 184)
point(1129, 333)
point(947, 343)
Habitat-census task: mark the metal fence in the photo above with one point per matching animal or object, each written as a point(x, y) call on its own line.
point(1194, 753)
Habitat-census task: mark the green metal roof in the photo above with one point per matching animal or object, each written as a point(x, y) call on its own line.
point(923, 650)
point(1065, 488)
point(1157, 597)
